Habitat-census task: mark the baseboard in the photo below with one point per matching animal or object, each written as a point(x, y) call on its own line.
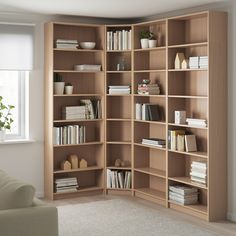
point(231, 217)
point(39, 194)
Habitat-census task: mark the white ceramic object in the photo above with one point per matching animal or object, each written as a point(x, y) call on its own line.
point(87, 45)
point(152, 43)
point(58, 87)
point(144, 43)
point(68, 89)
point(2, 135)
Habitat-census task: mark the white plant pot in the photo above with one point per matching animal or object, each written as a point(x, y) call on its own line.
point(152, 43)
point(59, 87)
point(2, 135)
point(68, 89)
point(144, 43)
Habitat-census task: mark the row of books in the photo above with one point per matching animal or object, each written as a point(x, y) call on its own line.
point(119, 40)
point(178, 140)
point(70, 134)
point(199, 172)
point(155, 142)
point(119, 89)
point(64, 185)
point(118, 179)
point(66, 43)
point(198, 62)
point(148, 89)
point(88, 109)
point(196, 122)
point(183, 195)
point(84, 67)
point(147, 111)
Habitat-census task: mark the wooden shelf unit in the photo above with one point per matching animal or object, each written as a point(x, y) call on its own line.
point(87, 85)
point(201, 92)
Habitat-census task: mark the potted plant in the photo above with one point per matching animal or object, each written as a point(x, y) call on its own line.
point(59, 85)
point(5, 118)
point(152, 42)
point(144, 38)
point(68, 88)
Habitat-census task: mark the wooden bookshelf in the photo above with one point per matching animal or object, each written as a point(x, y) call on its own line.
point(201, 92)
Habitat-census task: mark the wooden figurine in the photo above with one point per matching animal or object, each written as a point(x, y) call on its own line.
point(178, 60)
point(123, 163)
point(66, 165)
point(117, 163)
point(184, 64)
point(74, 160)
point(83, 163)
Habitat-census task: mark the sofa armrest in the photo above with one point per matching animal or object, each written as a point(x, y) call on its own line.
point(38, 220)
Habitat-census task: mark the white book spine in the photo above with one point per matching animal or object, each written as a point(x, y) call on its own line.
point(129, 39)
point(138, 111)
point(56, 135)
point(108, 40)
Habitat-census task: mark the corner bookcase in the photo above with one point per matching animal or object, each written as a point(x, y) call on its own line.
point(202, 93)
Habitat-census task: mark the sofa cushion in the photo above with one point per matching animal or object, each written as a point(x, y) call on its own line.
point(14, 194)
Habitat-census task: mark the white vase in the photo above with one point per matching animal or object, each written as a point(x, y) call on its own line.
point(152, 43)
point(68, 89)
point(59, 87)
point(144, 43)
point(2, 135)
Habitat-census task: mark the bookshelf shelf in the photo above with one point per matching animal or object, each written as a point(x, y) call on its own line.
point(187, 96)
point(90, 168)
point(149, 71)
point(80, 190)
point(187, 180)
point(151, 192)
point(119, 119)
point(184, 70)
point(76, 71)
point(120, 142)
point(196, 154)
point(189, 45)
point(149, 146)
point(77, 50)
point(79, 95)
point(120, 189)
point(74, 145)
point(117, 51)
point(151, 122)
point(151, 171)
point(77, 120)
point(119, 95)
point(149, 49)
point(118, 168)
point(118, 72)
point(152, 96)
point(187, 126)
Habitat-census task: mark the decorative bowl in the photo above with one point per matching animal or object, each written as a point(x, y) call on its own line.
point(87, 45)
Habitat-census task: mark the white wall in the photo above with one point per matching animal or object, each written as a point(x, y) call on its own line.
point(25, 161)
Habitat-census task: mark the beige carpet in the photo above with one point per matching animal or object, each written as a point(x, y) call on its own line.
point(122, 217)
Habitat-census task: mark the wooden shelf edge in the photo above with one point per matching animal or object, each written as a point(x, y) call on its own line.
point(196, 154)
point(80, 190)
point(187, 126)
point(149, 172)
point(118, 168)
point(150, 192)
point(80, 144)
point(90, 168)
point(199, 44)
point(149, 146)
point(79, 120)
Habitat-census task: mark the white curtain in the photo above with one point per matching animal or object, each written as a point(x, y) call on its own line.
point(16, 47)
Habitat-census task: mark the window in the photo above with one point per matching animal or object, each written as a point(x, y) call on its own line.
point(14, 90)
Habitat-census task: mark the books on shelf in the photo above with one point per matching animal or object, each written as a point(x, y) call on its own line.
point(198, 172)
point(148, 89)
point(196, 122)
point(70, 134)
point(64, 185)
point(66, 43)
point(183, 195)
point(88, 109)
point(155, 142)
point(178, 140)
point(198, 62)
point(147, 111)
point(119, 40)
point(119, 89)
point(87, 67)
point(118, 179)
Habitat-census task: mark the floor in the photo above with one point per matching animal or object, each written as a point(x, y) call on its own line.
point(225, 228)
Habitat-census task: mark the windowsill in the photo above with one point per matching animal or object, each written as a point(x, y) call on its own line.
point(17, 141)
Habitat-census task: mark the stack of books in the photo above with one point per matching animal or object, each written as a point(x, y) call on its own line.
point(118, 179)
point(183, 195)
point(66, 43)
point(199, 172)
point(93, 68)
point(193, 62)
point(74, 112)
point(119, 40)
point(148, 89)
point(154, 142)
point(203, 62)
point(64, 185)
point(148, 111)
point(119, 89)
point(70, 134)
point(196, 122)
point(88, 109)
